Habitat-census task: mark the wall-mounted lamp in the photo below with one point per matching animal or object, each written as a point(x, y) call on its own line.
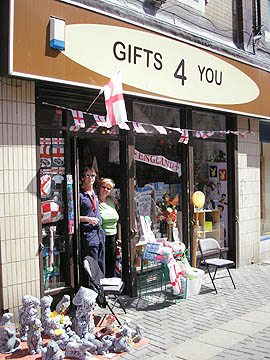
point(57, 33)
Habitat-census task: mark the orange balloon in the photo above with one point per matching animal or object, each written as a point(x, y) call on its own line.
point(198, 199)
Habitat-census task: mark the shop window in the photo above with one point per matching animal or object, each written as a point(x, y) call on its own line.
point(56, 200)
point(158, 173)
point(211, 177)
point(158, 189)
point(265, 191)
point(156, 115)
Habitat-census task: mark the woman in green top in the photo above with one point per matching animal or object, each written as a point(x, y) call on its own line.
point(110, 217)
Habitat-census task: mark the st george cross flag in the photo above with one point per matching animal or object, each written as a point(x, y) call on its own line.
point(123, 126)
point(78, 120)
point(114, 101)
point(102, 121)
point(160, 129)
point(184, 138)
point(138, 128)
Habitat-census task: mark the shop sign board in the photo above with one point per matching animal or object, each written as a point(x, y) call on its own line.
point(153, 65)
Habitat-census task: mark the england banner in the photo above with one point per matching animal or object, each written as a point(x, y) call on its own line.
point(158, 160)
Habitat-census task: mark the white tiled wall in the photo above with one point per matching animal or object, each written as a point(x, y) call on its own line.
point(249, 192)
point(18, 200)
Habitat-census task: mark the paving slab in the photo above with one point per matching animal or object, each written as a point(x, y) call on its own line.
point(257, 316)
point(242, 327)
point(219, 337)
point(194, 350)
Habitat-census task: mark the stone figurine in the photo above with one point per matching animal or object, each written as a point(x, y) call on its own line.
point(137, 336)
point(85, 300)
point(9, 343)
point(78, 350)
point(34, 340)
point(27, 313)
point(52, 352)
point(45, 304)
point(99, 347)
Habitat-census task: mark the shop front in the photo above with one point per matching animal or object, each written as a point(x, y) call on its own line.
point(181, 136)
point(155, 175)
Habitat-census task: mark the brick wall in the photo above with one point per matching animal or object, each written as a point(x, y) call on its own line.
point(249, 192)
point(18, 210)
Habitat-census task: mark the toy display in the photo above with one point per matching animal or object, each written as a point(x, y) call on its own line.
point(78, 340)
point(9, 343)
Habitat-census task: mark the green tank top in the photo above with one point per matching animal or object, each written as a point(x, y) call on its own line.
point(109, 217)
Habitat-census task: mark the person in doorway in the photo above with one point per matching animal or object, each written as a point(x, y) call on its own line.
point(92, 233)
point(110, 217)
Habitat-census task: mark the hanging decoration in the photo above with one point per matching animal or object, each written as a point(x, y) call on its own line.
point(158, 160)
point(102, 121)
point(45, 157)
point(78, 120)
point(58, 155)
point(184, 138)
point(92, 129)
point(70, 204)
point(114, 101)
point(160, 129)
point(139, 128)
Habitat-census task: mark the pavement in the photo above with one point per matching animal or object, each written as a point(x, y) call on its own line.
point(232, 324)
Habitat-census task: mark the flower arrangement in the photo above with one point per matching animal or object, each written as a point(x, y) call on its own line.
point(166, 210)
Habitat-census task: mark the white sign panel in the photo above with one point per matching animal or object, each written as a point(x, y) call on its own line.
point(159, 65)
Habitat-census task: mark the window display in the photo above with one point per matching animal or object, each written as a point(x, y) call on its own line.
point(158, 190)
point(52, 188)
point(210, 177)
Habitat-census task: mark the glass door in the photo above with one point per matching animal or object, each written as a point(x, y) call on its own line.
point(211, 176)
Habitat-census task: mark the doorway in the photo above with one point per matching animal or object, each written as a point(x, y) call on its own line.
point(108, 156)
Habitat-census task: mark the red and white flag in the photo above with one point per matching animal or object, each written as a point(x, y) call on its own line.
point(92, 129)
point(160, 129)
point(184, 138)
point(139, 128)
point(78, 120)
point(102, 121)
point(45, 157)
point(208, 134)
point(58, 155)
point(199, 134)
point(114, 101)
point(123, 126)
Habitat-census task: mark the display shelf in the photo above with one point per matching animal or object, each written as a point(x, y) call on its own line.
point(209, 224)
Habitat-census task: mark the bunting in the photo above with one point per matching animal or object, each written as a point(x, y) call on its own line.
point(139, 128)
point(102, 121)
point(78, 120)
point(160, 129)
point(184, 138)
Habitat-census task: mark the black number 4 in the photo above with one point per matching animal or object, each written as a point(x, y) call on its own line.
point(180, 72)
